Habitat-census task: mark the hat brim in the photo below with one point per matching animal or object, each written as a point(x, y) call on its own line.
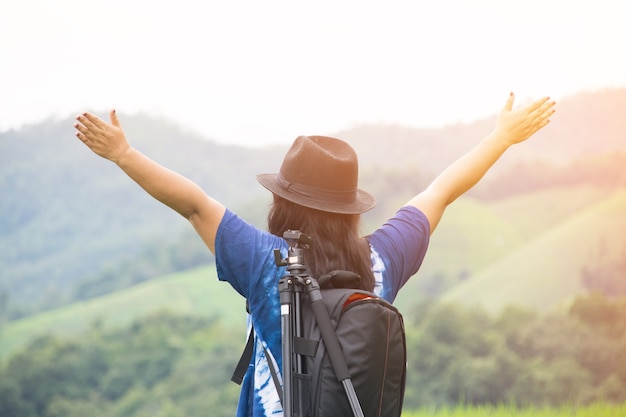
point(364, 201)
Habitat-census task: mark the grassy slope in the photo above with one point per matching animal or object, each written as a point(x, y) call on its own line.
point(546, 271)
point(474, 236)
point(192, 292)
point(470, 237)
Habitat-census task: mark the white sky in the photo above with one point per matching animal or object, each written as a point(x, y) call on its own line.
point(252, 72)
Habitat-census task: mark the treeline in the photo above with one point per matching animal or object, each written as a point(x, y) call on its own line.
point(604, 275)
point(462, 355)
point(155, 259)
point(162, 366)
point(601, 170)
point(169, 365)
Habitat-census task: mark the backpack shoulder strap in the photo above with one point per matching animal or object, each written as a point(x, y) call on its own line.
point(244, 362)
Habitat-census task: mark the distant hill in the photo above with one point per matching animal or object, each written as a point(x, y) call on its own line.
point(590, 122)
point(67, 216)
point(547, 270)
point(187, 292)
point(527, 250)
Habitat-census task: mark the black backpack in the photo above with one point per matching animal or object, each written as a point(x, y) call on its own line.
point(371, 334)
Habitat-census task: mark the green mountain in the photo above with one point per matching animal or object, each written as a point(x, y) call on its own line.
point(71, 223)
point(67, 215)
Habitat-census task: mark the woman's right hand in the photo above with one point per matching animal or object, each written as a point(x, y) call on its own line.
point(105, 139)
point(170, 188)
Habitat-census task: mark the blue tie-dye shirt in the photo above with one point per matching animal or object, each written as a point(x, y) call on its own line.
point(245, 258)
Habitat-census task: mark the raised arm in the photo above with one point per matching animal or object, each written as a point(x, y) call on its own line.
point(512, 126)
point(170, 188)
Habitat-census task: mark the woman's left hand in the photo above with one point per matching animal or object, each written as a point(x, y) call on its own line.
point(517, 125)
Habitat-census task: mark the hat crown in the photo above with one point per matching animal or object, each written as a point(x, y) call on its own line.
point(322, 162)
point(320, 172)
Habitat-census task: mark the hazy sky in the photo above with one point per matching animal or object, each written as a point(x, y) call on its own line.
point(266, 71)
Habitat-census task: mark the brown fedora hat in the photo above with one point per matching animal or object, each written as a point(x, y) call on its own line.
point(320, 172)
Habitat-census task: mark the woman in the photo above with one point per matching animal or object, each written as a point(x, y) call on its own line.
point(315, 192)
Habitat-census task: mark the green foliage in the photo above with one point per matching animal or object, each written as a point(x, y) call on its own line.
point(462, 355)
point(605, 314)
point(162, 365)
point(169, 364)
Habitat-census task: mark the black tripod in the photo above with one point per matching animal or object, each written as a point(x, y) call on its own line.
point(291, 286)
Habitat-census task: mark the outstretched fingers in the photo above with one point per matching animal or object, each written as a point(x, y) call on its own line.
point(104, 138)
point(85, 127)
point(540, 106)
point(525, 121)
point(90, 122)
point(538, 113)
point(543, 112)
point(82, 131)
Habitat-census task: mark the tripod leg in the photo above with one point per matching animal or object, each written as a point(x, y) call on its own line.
point(286, 322)
point(297, 388)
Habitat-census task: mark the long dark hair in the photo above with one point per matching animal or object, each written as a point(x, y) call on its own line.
point(337, 243)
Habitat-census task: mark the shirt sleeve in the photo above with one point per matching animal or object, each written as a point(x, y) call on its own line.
point(244, 254)
point(401, 245)
point(244, 257)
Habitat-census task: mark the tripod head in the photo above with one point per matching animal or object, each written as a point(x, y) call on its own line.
point(298, 243)
point(297, 238)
